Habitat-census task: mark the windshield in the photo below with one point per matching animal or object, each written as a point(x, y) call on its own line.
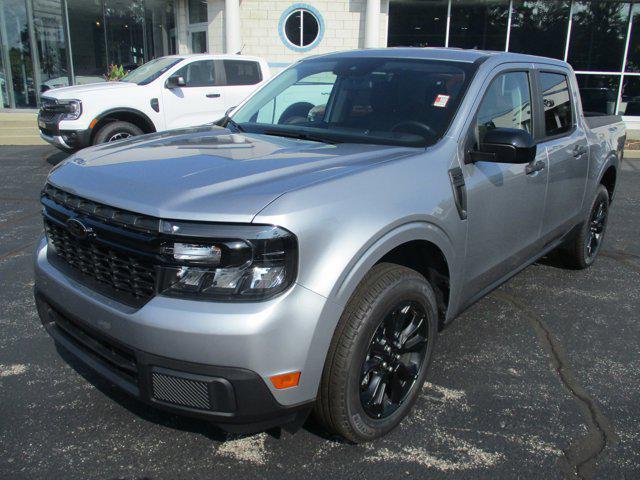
point(148, 72)
point(361, 100)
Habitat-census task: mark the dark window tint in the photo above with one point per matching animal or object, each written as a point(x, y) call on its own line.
point(539, 27)
point(598, 35)
point(198, 11)
point(198, 74)
point(556, 100)
point(240, 72)
point(630, 101)
point(479, 24)
point(301, 28)
point(417, 24)
point(506, 104)
point(633, 57)
point(598, 93)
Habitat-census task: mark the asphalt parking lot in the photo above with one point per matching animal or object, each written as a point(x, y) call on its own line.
point(541, 379)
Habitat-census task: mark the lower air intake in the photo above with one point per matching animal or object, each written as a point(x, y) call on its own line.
point(181, 391)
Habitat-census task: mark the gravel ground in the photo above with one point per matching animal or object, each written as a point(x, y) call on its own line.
point(540, 379)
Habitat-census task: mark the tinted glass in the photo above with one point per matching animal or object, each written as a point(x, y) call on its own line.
point(310, 28)
point(480, 24)
point(598, 93)
point(15, 39)
point(4, 87)
point(630, 101)
point(292, 27)
point(539, 27)
point(86, 25)
point(506, 104)
point(633, 56)
point(372, 100)
point(556, 99)
point(160, 21)
point(598, 35)
point(52, 47)
point(198, 74)
point(124, 22)
point(198, 11)
point(238, 72)
point(199, 42)
point(417, 24)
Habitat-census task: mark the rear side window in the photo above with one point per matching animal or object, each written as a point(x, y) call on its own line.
point(556, 99)
point(506, 104)
point(240, 72)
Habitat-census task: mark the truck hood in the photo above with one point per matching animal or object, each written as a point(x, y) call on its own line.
point(77, 91)
point(209, 173)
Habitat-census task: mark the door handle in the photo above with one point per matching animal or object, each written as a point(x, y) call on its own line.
point(534, 167)
point(579, 150)
point(213, 95)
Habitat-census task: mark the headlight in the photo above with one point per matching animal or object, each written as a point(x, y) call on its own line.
point(72, 109)
point(226, 262)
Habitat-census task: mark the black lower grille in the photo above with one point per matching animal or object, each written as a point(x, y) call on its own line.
point(181, 391)
point(119, 359)
point(118, 270)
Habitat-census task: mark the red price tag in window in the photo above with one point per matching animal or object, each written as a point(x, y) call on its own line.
point(441, 101)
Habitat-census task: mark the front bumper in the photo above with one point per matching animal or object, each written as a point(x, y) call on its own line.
point(232, 347)
point(65, 139)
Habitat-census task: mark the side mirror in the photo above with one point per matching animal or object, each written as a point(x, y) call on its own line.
point(505, 145)
point(175, 81)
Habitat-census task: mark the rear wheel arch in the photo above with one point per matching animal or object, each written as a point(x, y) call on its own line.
point(608, 179)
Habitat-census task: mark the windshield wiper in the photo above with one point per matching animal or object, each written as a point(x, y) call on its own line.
point(300, 135)
point(234, 124)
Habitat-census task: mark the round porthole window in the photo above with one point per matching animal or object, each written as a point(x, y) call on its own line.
point(301, 27)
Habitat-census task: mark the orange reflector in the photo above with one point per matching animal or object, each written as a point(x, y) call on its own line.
point(93, 123)
point(285, 380)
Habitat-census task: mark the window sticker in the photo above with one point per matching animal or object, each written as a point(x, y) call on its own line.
point(441, 101)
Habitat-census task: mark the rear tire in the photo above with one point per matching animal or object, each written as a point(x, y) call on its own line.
point(583, 248)
point(379, 355)
point(117, 130)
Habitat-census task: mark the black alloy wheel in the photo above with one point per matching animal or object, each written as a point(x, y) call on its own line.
point(394, 360)
point(597, 225)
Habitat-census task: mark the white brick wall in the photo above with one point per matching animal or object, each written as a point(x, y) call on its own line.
point(343, 19)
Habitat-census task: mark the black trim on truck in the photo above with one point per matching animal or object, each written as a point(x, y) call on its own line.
point(235, 399)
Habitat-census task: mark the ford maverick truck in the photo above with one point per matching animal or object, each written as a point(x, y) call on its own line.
point(304, 253)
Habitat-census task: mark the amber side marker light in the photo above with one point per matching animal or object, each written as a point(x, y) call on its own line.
point(285, 380)
point(93, 123)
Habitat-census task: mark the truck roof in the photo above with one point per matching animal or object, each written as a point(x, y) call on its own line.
point(452, 54)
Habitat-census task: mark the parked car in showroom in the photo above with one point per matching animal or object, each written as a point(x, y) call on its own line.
point(276, 264)
point(163, 94)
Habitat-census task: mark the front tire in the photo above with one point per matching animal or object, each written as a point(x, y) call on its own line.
point(583, 248)
point(114, 131)
point(379, 355)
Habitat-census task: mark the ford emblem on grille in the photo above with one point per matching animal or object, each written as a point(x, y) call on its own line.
point(78, 229)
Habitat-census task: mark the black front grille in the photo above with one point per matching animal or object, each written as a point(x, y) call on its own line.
point(120, 271)
point(103, 213)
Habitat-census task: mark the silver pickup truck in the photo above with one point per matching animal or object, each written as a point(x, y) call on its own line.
point(303, 254)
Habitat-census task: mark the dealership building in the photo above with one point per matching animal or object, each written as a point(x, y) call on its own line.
point(51, 43)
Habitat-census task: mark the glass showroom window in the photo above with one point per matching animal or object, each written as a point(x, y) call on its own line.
point(539, 27)
point(413, 24)
point(198, 20)
point(479, 24)
point(302, 28)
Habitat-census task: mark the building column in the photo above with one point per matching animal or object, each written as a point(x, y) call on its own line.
point(233, 42)
point(372, 24)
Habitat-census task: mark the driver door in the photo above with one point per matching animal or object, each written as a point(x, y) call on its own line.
point(199, 101)
point(505, 201)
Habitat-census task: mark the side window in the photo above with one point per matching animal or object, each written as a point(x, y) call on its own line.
point(506, 104)
point(556, 98)
point(242, 72)
point(198, 74)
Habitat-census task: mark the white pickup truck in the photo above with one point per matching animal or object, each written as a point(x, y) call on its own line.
point(163, 94)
